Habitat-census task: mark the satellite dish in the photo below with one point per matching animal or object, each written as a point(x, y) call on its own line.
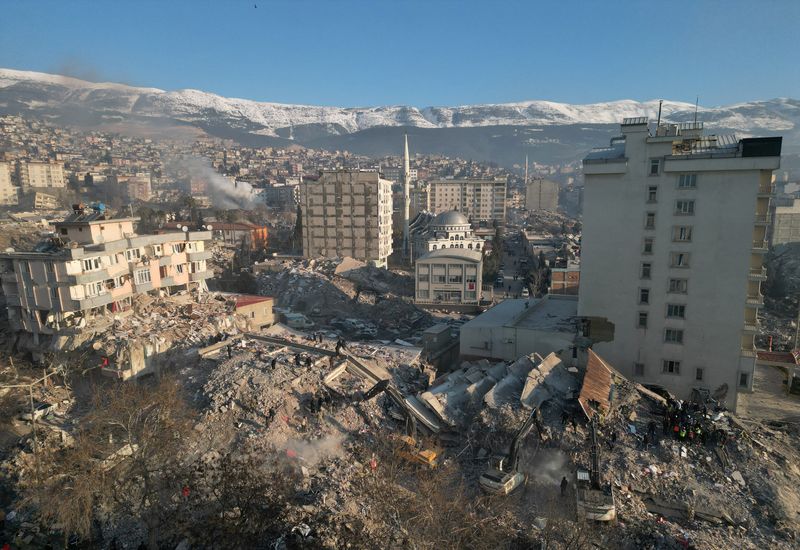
point(9, 250)
point(209, 227)
point(184, 229)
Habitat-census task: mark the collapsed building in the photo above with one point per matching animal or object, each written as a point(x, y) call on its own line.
point(89, 272)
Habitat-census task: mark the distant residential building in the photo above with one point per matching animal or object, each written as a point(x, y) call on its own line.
point(43, 201)
point(565, 277)
point(254, 237)
point(674, 237)
point(138, 187)
point(347, 213)
point(420, 199)
point(256, 309)
point(91, 270)
point(283, 196)
point(449, 277)
point(41, 174)
point(478, 199)
point(786, 224)
point(541, 194)
point(9, 193)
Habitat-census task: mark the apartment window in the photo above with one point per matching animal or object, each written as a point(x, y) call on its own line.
point(676, 311)
point(179, 268)
point(113, 259)
point(157, 251)
point(650, 220)
point(644, 295)
point(671, 367)
point(141, 276)
point(638, 369)
point(424, 278)
point(93, 289)
point(53, 294)
point(423, 294)
point(655, 165)
point(646, 269)
point(455, 279)
point(743, 378)
point(50, 267)
point(440, 279)
point(642, 322)
point(91, 264)
point(698, 374)
point(673, 336)
point(682, 233)
point(679, 259)
point(652, 193)
point(678, 286)
point(684, 208)
point(162, 271)
point(687, 181)
point(472, 278)
point(647, 248)
point(132, 254)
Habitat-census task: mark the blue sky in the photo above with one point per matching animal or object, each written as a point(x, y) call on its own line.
point(434, 52)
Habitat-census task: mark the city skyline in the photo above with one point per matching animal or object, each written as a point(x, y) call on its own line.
point(353, 53)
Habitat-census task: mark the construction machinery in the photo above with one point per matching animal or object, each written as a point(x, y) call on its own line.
point(595, 500)
point(503, 475)
point(411, 449)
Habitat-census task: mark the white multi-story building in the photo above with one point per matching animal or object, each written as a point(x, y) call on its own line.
point(448, 276)
point(9, 194)
point(347, 213)
point(786, 225)
point(674, 235)
point(41, 174)
point(541, 194)
point(478, 199)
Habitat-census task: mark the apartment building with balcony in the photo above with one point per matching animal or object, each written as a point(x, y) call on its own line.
point(674, 238)
point(9, 193)
point(41, 174)
point(92, 268)
point(478, 199)
point(347, 213)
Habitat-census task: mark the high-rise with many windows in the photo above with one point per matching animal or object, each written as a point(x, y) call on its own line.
point(674, 236)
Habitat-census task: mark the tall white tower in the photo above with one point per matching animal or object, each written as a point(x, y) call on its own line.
point(406, 197)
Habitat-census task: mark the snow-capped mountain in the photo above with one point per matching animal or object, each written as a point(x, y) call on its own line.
point(78, 101)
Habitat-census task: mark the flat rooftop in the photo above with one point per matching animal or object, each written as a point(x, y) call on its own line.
point(549, 314)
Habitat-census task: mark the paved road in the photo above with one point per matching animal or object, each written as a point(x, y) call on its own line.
point(511, 288)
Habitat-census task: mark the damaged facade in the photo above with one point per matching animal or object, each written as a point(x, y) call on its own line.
point(675, 231)
point(92, 268)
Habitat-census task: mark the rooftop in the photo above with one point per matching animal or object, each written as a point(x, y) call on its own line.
point(548, 314)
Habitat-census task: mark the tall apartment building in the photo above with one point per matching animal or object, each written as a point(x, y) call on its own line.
point(541, 194)
point(347, 213)
point(9, 193)
point(92, 268)
point(674, 236)
point(478, 199)
point(41, 174)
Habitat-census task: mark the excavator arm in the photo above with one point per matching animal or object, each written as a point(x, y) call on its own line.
point(519, 437)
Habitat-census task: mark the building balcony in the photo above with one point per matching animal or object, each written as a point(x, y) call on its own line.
point(95, 301)
point(143, 287)
point(201, 275)
point(90, 277)
point(168, 281)
point(749, 353)
point(755, 301)
point(757, 274)
point(197, 256)
point(8, 277)
point(751, 326)
point(766, 191)
point(762, 219)
point(761, 247)
point(12, 300)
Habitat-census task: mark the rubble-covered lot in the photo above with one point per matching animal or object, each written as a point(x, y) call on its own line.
point(325, 290)
point(276, 447)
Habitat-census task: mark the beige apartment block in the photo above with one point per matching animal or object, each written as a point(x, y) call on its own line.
point(9, 194)
point(43, 201)
point(541, 194)
point(41, 174)
point(347, 213)
point(478, 199)
point(674, 237)
point(92, 268)
point(786, 225)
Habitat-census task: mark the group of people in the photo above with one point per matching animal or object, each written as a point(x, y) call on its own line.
point(689, 422)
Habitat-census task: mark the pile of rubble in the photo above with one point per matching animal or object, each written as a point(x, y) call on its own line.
point(325, 291)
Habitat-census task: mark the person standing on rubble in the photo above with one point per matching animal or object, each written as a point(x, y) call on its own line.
point(230, 351)
point(273, 363)
point(564, 485)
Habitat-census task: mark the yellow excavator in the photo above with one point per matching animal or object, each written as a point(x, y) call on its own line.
point(595, 500)
point(503, 475)
point(411, 449)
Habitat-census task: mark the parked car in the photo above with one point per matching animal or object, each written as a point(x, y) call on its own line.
point(40, 410)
